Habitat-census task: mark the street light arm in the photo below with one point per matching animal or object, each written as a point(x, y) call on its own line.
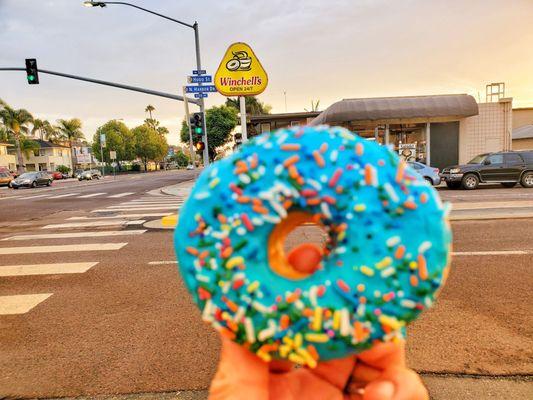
point(149, 11)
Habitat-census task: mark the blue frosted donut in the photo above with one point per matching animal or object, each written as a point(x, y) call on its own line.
point(386, 255)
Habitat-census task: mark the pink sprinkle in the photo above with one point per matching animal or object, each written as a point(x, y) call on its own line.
point(321, 290)
point(247, 223)
point(377, 311)
point(329, 200)
point(274, 307)
point(330, 333)
point(235, 188)
point(335, 178)
point(309, 193)
point(342, 285)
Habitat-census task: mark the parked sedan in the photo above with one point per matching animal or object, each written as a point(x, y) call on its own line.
point(89, 174)
point(57, 175)
point(430, 174)
point(32, 179)
point(5, 178)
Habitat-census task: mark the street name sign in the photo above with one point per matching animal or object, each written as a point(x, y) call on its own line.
point(200, 79)
point(199, 89)
point(240, 73)
point(200, 95)
point(199, 72)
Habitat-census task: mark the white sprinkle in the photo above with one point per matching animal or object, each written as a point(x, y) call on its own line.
point(333, 156)
point(282, 138)
point(393, 241)
point(202, 195)
point(208, 311)
point(202, 278)
point(323, 178)
point(249, 329)
point(387, 272)
point(325, 210)
point(239, 314)
point(260, 307)
point(361, 308)
point(312, 295)
point(408, 303)
point(278, 169)
point(213, 263)
point(391, 192)
point(278, 208)
point(345, 328)
point(265, 334)
point(424, 246)
point(241, 231)
point(244, 178)
point(316, 185)
point(226, 287)
point(257, 221)
point(272, 219)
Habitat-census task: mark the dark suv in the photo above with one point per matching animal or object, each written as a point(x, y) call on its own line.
point(506, 167)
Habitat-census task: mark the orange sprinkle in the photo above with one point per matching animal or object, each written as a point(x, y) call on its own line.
point(422, 267)
point(226, 252)
point(362, 299)
point(368, 174)
point(231, 305)
point(293, 297)
point(291, 160)
point(287, 204)
point(232, 325)
point(410, 205)
point(423, 198)
point(290, 147)
point(300, 180)
point(257, 202)
point(260, 209)
point(400, 251)
point(327, 314)
point(323, 148)
point(413, 280)
point(293, 172)
point(312, 350)
point(313, 202)
point(227, 333)
point(359, 149)
point(254, 162)
point(339, 189)
point(359, 331)
point(399, 171)
point(243, 199)
point(269, 347)
point(203, 254)
point(308, 312)
point(203, 294)
point(222, 218)
point(319, 159)
point(284, 321)
point(240, 167)
point(192, 250)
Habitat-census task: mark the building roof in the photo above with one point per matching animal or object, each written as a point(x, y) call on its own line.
point(524, 132)
point(45, 144)
point(270, 117)
point(383, 108)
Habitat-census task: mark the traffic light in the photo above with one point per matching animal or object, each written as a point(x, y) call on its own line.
point(32, 74)
point(197, 123)
point(200, 146)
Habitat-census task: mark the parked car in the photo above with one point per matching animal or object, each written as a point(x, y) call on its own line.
point(89, 175)
point(190, 166)
point(430, 174)
point(5, 178)
point(57, 175)
point(507, 168)
point(32, 179)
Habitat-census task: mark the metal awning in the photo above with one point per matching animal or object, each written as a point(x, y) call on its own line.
point(524, 132)
point(394, 108)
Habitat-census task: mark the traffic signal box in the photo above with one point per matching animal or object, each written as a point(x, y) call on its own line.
point(32, 73)
point(197, 123)
point(200, 146)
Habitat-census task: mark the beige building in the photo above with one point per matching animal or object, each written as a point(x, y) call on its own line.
point(48, 157)
point(7, 160)
point(523, 128)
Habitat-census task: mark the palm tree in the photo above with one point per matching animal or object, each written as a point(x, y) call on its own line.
point(15, 122)
point(70, 131)
point(149, 108)
point(45, 129)
point(314, 106)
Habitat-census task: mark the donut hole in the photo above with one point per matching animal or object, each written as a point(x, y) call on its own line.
point(296, 246)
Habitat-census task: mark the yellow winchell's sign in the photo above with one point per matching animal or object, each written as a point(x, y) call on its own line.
point(240, 73)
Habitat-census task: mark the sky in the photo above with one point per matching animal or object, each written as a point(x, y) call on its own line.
point(311, 50)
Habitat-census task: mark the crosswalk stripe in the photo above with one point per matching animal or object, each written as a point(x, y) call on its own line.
point(76, 235)
point(21, 303)
point(143, 215)
point(64, 195)
point(155, 200)
point(147, 205)
point(34, 197)
point(116, 196)
point(94, 223)
point(162, 262)
point(173, 207)
point(62, 248)
point(90, 195)
point(46, 269)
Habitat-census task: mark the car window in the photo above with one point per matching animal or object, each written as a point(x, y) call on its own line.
point(528, 156)
point(477, 159)
point(416, 165)
point(513, 158)
point(496, 158)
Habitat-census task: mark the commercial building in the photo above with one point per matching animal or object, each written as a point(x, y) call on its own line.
point(258, 124)
point(523, 128)
point(438, 130)
point(7, 160)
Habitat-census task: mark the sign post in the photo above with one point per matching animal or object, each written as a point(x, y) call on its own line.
point(102, 145)
point(113, 156)
point(192, 154)
point(241, 74)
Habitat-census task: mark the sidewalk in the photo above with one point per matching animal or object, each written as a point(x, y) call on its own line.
point(441, 387)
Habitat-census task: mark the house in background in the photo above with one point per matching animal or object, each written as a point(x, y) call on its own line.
point(523, 128)
point(47, 158)
point(7, 160)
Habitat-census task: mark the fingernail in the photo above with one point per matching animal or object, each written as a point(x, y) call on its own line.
point(386, 390)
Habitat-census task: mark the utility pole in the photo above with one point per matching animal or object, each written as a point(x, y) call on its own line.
point(201, 102)
point(188, 120)
point(244, 132)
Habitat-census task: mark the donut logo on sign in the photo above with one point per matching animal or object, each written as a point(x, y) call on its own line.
point(239, 62)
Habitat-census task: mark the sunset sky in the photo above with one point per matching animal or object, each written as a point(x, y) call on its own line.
point(313, 50)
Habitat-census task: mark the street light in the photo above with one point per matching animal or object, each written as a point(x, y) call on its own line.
point(194, 26)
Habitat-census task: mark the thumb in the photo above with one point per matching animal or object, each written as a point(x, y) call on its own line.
point(405, 384)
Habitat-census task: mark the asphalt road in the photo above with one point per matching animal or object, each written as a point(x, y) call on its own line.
point(122, 321)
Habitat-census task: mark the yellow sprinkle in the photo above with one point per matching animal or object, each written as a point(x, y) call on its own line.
point(391, 322)
point(341, 236)
point(336, 320)
point(252, 287)
point(316, 337)
point(284, 350)
point(310, 361)
point(295, 358)
point(317, 319)
point(214, 182)
point(225, 227)
point(413, 265)
point(297, 341)
point(234, 262)
point(367, 271)
point(264, 356)
point(288, 341)
point(361, 287)
point(359, 207)
point(384, 263)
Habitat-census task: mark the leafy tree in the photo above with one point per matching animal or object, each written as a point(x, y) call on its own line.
point(314, 106)
point(45, 130)
point(253, 105)
point(181, 158)
point(28, 146)
point(118, 138)
point(16, 124)
point(63, 169)
point(149, 144)
point(220, 122)
point(70, 131)
point(149, 108)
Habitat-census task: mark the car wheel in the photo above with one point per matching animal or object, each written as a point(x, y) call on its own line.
point(470, 182)
point(34, 184)
point(15, 187)
point(509, 184)
point(527, 180)
point(49, 183)
point(453, 185)
point(79, 179)
point(429, 180)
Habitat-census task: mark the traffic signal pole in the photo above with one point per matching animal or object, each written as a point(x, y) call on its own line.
point(188, 120)
point(201, 102)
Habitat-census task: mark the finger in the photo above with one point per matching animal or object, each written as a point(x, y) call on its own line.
point(384, 355)
point(336, 372)
point(302, 384)
point(365, 373)
point(240, 375)
point(406, 383)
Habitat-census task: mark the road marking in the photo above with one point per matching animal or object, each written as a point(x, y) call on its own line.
point(162, 214)
point(91, 195)
point(154, 200)
point(34, 197)
point(491, 253)
point(46, 269)
point(62, 248)
point(162, 262)
point(63, 195)
point(492, 204)
point(76, 235)
point(116, 196)
point(94, 223)
point(21, 303)
point(126, 206)
point(137, 209)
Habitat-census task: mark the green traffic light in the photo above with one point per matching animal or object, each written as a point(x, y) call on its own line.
point(31, 78)
point(198, 130)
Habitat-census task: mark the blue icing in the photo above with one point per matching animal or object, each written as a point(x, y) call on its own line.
point(389, 244)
